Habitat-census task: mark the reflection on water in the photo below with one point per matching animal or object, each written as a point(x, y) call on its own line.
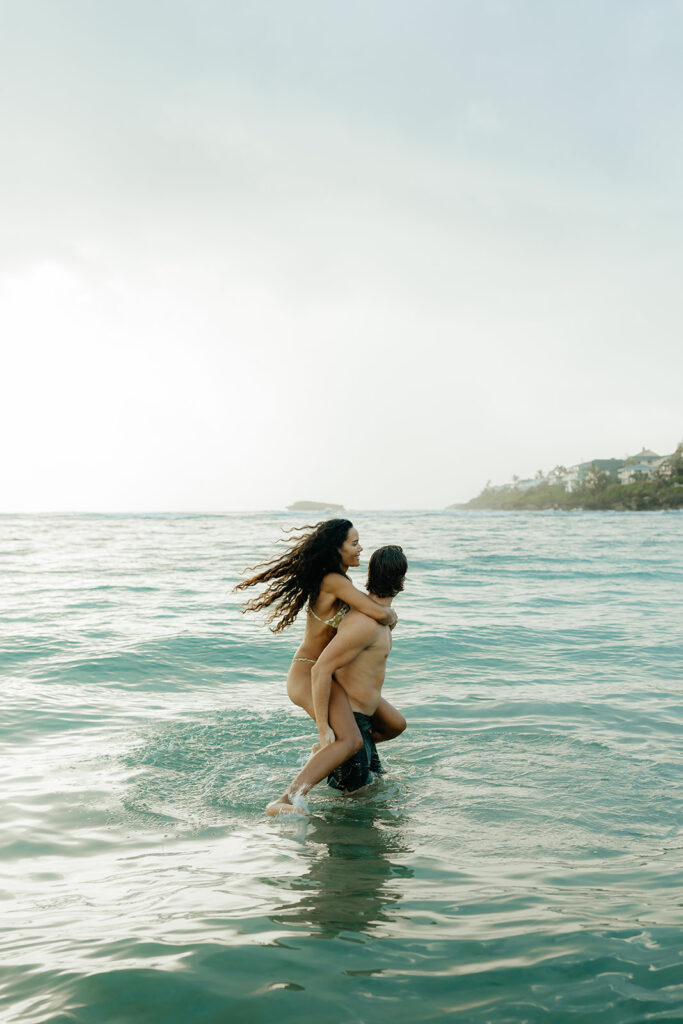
point(354, 855)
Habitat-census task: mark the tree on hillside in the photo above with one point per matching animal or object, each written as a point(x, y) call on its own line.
point(676, 463)
point(557, 475)
point(596, 479)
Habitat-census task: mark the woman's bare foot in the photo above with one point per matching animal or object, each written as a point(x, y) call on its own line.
point(285, 806)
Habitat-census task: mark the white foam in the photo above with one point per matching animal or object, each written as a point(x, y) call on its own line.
point(299, 801)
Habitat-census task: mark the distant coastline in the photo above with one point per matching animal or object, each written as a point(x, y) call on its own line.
point(315, 506)
point(642, 482)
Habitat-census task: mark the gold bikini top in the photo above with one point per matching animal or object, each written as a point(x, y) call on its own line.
point(333, 623)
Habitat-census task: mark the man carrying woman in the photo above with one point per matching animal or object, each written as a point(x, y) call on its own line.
point(312, 572)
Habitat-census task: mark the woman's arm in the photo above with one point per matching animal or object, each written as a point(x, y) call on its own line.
point(344, 590)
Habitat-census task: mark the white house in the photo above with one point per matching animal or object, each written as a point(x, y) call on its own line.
point(640, 467)
point(646, 457)
point(639, 471)
point(572, 478)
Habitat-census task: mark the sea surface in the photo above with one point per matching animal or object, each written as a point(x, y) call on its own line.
point(521, 861)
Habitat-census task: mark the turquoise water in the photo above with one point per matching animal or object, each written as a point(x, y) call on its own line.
point(521, 862)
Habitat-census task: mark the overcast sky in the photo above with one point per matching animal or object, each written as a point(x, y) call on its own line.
point(366, 252)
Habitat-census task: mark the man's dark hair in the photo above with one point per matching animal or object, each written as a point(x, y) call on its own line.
point(386, 571)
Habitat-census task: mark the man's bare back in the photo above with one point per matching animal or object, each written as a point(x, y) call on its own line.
point(362, 678)
point(356, 658)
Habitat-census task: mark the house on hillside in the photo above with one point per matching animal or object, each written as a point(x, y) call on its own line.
point(611, 466)
point(642, 466)
point(525, 485)
point(646, 456)
point(577, 475)
point(664, 468)
point(572, 478)
point(639, 471)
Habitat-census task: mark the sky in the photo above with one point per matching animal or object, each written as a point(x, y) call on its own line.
point(373, 253)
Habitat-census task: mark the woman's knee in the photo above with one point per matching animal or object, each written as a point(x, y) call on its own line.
point(353, 743)
point(401, 724)
point(300, 697)
point(299, 686)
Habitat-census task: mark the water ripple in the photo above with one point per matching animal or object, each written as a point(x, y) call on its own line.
point(520, 862)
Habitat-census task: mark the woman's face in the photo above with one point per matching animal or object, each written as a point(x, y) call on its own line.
point(351, 549)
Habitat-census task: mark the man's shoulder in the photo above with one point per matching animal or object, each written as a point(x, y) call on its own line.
point(359, 624)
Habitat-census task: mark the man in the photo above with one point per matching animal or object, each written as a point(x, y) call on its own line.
point(356, 657)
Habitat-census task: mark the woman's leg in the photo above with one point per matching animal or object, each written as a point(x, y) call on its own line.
point(299, 683)
point(387, 722)
point(320, 765)
point(300, 693)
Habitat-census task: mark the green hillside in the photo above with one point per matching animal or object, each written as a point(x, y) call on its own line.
point(600, 490)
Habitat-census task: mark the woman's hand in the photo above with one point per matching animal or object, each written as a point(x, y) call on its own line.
point(343, 589)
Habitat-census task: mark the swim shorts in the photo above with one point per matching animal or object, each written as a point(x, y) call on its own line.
point(362, 767)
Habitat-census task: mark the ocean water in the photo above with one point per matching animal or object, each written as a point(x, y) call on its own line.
point(520, 862)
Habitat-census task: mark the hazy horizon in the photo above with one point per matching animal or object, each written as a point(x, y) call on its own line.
point(375, 255)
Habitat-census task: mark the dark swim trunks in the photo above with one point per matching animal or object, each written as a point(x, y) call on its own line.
point(361, 767)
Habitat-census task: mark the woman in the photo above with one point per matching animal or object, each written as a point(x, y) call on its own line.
point(313, 573)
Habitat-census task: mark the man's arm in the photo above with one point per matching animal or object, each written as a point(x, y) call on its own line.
point(344, 590)
point(355, 633)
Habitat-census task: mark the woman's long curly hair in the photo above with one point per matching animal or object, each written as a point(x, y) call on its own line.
point(295, 576)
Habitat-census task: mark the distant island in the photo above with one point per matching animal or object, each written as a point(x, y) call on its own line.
point(315, 506)
point(641, 482)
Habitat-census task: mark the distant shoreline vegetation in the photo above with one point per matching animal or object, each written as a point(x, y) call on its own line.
point(641, 482)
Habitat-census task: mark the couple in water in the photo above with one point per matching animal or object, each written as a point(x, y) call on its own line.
point(337, 673)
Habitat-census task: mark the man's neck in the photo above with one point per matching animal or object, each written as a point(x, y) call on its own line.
point(386, 601)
